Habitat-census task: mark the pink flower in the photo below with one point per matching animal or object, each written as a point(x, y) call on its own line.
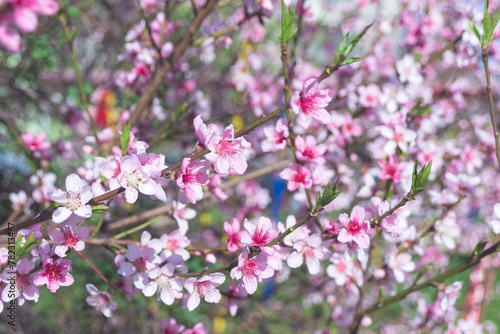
point(369, 96)
point(400, 264)
point(227, 153)
point(191, 176)
point(141, 262)
point(198, 328)
point(391, 169)
point(35, 143)
point(495, 223)
point(182, 214)
point(355, 229)
point(215, 187)
point(297, 175)
point(101, 301)
point(308, 151)
point(340, 269)
point(389, 224)
point(170, 327)
point(176, 243)
point(69, 236)
point(260, 234)
point(450, 295)
point(55, 273)
point(310, 103)
point(251, 271)
point(203, 287)
point(203, 132)
point(234, 235)
point(24, 12)
point(135, 178)
point(275, 136)
point(9, 38)
point(24, 289)
point(168, 287)
point(310, 249)
point(73, 200)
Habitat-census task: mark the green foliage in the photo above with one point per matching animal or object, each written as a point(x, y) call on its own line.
point(287, 18)
point(419, 178)
point(125, 138)
point(99, 208)
point(342, 55)
point(479, 248)
point(329, 194)
point(27, 247)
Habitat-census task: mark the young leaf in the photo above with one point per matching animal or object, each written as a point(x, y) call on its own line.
point(351, 60)
point(355, 41)
point(125, 138)
point(329, 194)
point(340, 50)
point(486, 24)
point(475, 30)
point(494, 21)
point(99, 208)
point(479, 248)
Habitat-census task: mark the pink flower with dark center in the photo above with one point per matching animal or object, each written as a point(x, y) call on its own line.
point(275, 136)
point(251, 271)
point(391, 169)
point(234, 235)
point(101, 301)
point(203, 287)
point(135, 178)
point(55, 273)
point(227, 153)
point(308, 151)
point(355, 229)
point(69, 236)
point(35, 143)
point(191, 176)
point(73, 200)
point(260, 234)
point(297, 175)
point(24, 289)
point(310, 103)
point(141, 261)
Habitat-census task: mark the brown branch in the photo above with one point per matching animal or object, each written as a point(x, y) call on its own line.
point(181, 47)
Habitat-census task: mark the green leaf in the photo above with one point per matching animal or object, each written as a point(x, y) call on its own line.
point(414, 176)
point(329, 194)
point(486, 24)
point(419, 181)
point(340, 50)
point(355, 41)
point(494, 21)
point(350, 60)
point(287, 18)
point(125, 138)
point(479, 248)
point(99, 208)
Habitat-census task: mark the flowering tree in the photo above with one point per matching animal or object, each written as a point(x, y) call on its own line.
point(252, 166)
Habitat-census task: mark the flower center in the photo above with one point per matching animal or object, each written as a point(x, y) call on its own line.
point(133, 179)
point(73, 201)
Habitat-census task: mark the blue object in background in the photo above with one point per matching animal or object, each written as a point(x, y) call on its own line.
point(278, 192)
